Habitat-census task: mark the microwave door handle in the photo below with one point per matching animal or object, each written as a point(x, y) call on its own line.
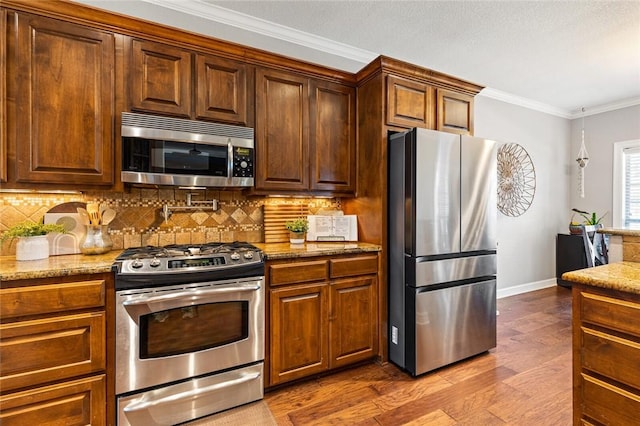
point(144, 405)
point(229, 159)
point(190, 296)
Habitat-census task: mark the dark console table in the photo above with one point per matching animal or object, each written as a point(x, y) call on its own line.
point(570, 256)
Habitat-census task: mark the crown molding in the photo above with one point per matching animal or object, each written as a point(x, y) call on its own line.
point(625, 103)
point(269, 29)
point(524, 102)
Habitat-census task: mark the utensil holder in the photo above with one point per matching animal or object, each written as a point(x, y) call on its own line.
point(96, 240)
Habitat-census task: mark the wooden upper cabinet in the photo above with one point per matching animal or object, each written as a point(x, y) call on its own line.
point(221, 90)
point(282, 131)
point(3, 97)
point(160, 78)
point(64, 100)
point(455, 112)
point(333, 138)
point(410, 103)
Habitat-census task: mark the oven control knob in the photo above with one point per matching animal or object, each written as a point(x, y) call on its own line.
point(248, 255)
point(235, 256)
point(154, 263)
point(136, 263)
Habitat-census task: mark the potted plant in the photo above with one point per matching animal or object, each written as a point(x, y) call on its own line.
point(297, 230)
point(591, 221)
point(32, 239)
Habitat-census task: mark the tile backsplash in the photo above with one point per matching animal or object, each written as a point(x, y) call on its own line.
point(139, 220)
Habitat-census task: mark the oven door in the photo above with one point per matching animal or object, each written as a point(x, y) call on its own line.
point(167, 334)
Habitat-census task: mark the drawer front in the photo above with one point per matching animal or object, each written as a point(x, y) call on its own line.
point(349, 267)
point(52, 349)
point(608, 404)
point(298, 272)
point(51, 298)
point(611, 313)
point(611, 356)
point(78, 402)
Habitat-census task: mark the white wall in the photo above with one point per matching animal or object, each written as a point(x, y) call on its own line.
point(526, 244)
point(601, 131)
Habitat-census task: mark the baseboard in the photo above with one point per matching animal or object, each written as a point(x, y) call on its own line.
point(525, 288)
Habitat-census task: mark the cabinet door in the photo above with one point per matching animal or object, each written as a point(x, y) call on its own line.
point(455, 112)
point(64, 102)
point(298, 317)
point(3, 96)
point(332, 147)
point(410, 103)
point(50, 349)
point(160, 79)
point(352, 321)
point(221, 90)
point(282, 131)
point(77, 402)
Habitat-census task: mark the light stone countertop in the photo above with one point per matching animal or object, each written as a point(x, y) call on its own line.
point(309, 249)
point(56, 266)
point(621, 276)
point(73, 264)
point(623, 232)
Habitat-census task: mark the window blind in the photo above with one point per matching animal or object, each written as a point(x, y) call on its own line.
point(632, 188)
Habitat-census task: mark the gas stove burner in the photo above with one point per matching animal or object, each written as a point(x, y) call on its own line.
point(236, 258)
point(178, 250)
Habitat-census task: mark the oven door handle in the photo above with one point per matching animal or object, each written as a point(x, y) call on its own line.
point(194, 393)
point(193, 295)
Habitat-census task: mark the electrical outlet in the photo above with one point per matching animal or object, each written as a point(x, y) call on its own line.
point(394, 335)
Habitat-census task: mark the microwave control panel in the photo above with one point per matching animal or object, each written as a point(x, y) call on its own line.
point(242, 162)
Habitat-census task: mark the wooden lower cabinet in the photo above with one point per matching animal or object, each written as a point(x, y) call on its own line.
point(54, 360)
point(606, 356)
point(322, 314)
point(76, 402)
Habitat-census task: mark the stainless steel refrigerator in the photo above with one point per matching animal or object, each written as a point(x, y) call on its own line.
point(442, 248)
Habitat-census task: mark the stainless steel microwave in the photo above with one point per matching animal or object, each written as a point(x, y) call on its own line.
point(177, 152)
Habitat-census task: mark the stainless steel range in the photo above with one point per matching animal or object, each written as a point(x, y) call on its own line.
point(189, 331)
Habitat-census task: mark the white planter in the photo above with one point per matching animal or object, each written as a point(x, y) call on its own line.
point(32, 248)
point(297, 237)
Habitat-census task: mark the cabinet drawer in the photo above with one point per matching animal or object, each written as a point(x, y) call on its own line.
point(611, 356)
point(298, 272)
point(349, 267)
point(51, 298)
point(78, 402)
point(608, 404)
point(51, 349)
point(611, 313)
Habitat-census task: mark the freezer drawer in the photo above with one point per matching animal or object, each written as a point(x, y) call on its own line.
point(452, 324)
point(423, 273)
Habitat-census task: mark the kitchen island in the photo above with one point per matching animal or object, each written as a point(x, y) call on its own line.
point(606, 343)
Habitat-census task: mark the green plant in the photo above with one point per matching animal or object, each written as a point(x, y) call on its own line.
point(297, 225)
point(589, 218)
point(31, 229)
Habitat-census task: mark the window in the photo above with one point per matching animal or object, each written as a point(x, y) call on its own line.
point(626, 185)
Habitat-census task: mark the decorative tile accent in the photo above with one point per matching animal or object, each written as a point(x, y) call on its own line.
point(139, 222)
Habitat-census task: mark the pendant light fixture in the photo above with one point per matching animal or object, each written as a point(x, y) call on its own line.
point(583, 160)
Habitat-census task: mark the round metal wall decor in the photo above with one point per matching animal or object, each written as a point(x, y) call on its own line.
point(516, 180)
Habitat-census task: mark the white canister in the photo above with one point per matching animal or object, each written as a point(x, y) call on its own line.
point(32, 248)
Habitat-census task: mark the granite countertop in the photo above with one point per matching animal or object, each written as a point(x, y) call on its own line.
point(621, 276)
point(56, 266)
point(623, 232)
point(72, 264)
point(308, 249)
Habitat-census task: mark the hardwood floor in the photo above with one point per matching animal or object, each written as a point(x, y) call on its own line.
point(525, 380)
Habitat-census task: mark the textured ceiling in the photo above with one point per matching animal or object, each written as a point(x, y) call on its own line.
point(557, 56)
